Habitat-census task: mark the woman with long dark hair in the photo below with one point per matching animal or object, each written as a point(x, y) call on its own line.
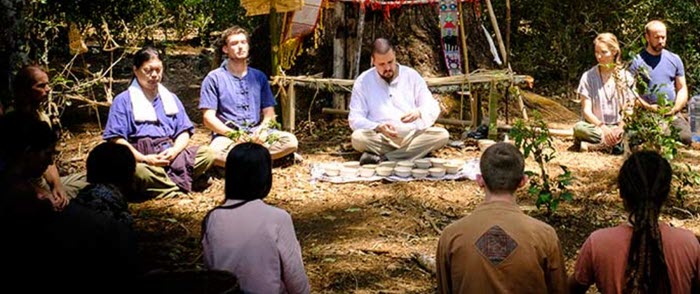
point(253, 240)
point(643, 255)
point(151, 121)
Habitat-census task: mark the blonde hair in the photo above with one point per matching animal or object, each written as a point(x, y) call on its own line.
point(609, 40)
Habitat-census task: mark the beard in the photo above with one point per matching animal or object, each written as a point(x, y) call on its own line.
point(388, 75)
point(658, 47)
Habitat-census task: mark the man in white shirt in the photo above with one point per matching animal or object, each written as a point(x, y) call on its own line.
point(392, 112)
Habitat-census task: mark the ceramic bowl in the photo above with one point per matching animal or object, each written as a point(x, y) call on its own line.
point(332, 170)
point(370, 166)
point(419, 173)
point(366, 172)
point(423, 163)
point(457, 162)
point(402, 171)
point(485, 143)
point(437, 172)
point(437, 162)
point(352, 164)
point(390, 164)
point(348, 172)
point(452, 168)
point(384, 171)
point(405, 163)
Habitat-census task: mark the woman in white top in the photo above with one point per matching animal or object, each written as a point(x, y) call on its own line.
point(606, 92)
point(253, 240)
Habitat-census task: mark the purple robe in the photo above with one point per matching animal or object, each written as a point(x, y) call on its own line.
point(154, 137)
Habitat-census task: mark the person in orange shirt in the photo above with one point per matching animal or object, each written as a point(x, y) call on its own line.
point(642, 255)
point(498, 248)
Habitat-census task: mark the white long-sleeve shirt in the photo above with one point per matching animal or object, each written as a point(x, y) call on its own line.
point(257, 243)
point(374, 101)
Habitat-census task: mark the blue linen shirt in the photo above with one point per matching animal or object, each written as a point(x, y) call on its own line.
point(238, 101)
point(121, 123)
point(661, 72)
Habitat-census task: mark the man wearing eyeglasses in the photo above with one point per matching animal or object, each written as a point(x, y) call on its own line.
point(237, 102)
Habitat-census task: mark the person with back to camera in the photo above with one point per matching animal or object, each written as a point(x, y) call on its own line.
point(643, 255)
point(498, 248)
point(151, 121)
point(74, 250)
point(392, 111)
point(110, 172)
point(253, 240)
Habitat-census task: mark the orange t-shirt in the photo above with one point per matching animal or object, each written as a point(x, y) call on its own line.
point(499, 249)
point(603, 258)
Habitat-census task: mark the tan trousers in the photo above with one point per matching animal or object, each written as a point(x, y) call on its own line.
point(286, 145)
point(72, 184)
point(152, 181)
point(415, 145)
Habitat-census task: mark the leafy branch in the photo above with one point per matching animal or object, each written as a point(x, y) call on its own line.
point(534, 139)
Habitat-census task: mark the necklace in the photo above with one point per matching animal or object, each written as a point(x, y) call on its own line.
point(608, 97)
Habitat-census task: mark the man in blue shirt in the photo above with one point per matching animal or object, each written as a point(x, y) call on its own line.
point(664, 73)
point(236, 97)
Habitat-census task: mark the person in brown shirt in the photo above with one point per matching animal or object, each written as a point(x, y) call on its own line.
point(643, 255)
point(497, 248)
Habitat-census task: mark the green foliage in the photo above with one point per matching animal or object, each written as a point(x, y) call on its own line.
point(261, 135)
point(553, 40)
point(535, 141)
point(684, 179)
point(654, 130)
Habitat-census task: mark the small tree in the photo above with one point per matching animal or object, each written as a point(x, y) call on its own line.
point(534, 139)
point(654, 130)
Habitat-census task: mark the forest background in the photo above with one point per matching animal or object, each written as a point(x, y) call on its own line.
point(548, 39)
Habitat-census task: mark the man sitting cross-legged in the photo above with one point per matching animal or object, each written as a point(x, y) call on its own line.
point(392, 112)
point(497, 248)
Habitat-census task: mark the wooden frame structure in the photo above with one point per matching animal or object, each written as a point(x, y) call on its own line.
point(451, 84)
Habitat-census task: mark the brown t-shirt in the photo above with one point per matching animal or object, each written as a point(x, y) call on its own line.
point(603, 258)
point(499, 249)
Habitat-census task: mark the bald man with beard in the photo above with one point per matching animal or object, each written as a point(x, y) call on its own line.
point(662, 70)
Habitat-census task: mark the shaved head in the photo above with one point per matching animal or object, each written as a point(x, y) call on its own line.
point(654, 25)
point(655, 35)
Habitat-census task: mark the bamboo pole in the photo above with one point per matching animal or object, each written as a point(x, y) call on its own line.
point(465, 57)
point(358, 53)
point(288, 108)
point(448, 121)
point(339, 52)
point(476, 109)
point(479, 77)
point(508, 23)
point(494, 23)
point(493, 111)
point(274, 39)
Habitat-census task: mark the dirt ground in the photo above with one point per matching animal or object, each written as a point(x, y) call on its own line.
point(373, 237)
point(376, 237)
